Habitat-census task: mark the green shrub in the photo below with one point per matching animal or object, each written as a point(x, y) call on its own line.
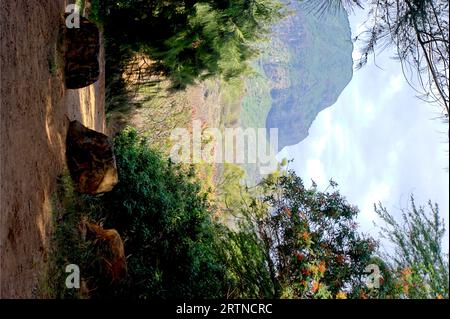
point(67, 245)
point(174, 249)
point(157, 207)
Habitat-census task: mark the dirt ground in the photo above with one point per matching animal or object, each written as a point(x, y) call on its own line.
point(34, 112)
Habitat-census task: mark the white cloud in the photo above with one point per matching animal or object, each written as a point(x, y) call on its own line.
point(396, 83)
point(376, 192)
point(315, 171)
point(379, 143)
point(320, 145)
point(369, 112)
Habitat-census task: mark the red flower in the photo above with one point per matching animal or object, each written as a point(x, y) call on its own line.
point(299, 256)
point(305, 271)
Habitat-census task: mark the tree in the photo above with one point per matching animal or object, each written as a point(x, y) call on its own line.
point(319, 6)
point(418, 263)
point(310, 240)
point(189, 39)
point(419, 31)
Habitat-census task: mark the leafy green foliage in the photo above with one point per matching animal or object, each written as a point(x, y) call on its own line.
point(194, 38)
point(169, 235)
point(287, 241)
point(309, 238)
point(246, 265)
point(418, 263)
point(70, 210)
point(174, 249)
point(418, 30)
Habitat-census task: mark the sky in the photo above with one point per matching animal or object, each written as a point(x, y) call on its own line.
point(378, 142)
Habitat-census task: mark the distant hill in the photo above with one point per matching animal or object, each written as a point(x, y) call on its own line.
point(302, 71)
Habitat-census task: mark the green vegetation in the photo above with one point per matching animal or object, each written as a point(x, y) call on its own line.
point(175, 248)
point(312, 238)
point(418, 262)
point(194, 40)
point(257, 101)
point(69, 210)
point(284, 240)
point(161, 111)
point(169, 236)
point(197, 231)
point(287, 241)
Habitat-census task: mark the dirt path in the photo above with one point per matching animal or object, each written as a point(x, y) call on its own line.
point(33, 109)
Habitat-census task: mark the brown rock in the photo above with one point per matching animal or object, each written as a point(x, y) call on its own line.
point(81, 54)
point(110, 250)
point(91, 160)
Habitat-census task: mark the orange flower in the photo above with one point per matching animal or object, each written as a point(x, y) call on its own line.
point(315, 286)
point(362, 295)
point(322, 267)
point(305, 235)
point(340, 258)
point(406, 272)
point(305, 271)
point(300, 256)
point(440, 296)
point(405, 288)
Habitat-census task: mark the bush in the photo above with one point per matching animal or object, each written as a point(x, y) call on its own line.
point(311, 237)
point(67, 244)
point(417, 261)
point(159, 210)
point(174, 249)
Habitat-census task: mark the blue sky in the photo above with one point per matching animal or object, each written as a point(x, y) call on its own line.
point(378, 142)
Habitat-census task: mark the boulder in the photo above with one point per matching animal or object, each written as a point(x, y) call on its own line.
point(91, 160)
point(81, 54)
point(109, 248)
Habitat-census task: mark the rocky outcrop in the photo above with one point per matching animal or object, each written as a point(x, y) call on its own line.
point(91, 160)
point(81, 54)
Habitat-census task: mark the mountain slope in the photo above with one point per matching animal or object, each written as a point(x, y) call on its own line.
point(302, 71)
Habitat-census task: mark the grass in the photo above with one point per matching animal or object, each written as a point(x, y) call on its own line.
point(95, 15)
point(67, 243)
point(92, 12)
point(160, 112)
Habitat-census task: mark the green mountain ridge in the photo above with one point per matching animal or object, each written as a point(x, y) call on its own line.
point(301, 71)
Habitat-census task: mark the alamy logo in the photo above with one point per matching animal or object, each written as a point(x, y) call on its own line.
point(373, 277)
point(230, 145)
point(73, 17)
point(73, 279)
